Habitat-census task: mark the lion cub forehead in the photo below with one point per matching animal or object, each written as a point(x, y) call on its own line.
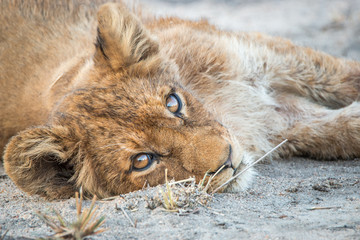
point(125, 104)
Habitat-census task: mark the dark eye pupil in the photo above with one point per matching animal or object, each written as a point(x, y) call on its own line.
point(173, 103)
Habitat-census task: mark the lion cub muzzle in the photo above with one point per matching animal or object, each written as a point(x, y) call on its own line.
point(227, 164)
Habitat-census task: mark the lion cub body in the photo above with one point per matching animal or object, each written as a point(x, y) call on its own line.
point(83, 113)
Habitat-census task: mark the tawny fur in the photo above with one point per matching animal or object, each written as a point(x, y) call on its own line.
point(84, 89)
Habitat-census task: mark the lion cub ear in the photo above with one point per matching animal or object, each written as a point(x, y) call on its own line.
point(37, 160)
point(122, 39)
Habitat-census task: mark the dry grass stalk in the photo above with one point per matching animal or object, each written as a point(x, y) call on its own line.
point(2, 237)
point(182, 181)
point(211, 178)
point(85, 225)
point(202, 181)
point(323, 208)
point(169, 201)
point(127, 216)
point(184, 194)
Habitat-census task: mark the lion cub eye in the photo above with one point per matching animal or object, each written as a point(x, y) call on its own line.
point(142, 161)
point(173, 103)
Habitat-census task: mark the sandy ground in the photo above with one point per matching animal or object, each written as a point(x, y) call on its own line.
point(290, 199)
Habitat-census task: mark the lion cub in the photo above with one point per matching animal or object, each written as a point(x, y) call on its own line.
point(107, 102)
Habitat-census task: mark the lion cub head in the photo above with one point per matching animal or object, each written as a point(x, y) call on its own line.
point(124, 126)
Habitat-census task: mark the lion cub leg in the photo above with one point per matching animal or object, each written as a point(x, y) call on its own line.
point(336, 134)
point(324, 79)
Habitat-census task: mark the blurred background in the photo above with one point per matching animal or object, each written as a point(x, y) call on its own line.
point(332, 26)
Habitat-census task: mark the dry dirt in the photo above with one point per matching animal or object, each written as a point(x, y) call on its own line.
point(290, 199)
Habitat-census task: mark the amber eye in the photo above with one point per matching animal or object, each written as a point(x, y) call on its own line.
point(142, 161)
point(173, 103)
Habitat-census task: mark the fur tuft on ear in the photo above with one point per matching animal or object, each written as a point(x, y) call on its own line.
point(122, 40)
point(38, 160)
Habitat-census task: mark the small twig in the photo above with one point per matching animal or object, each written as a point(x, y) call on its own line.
point(354, 183)
point(187, 212)
point(127, 216)
point(323, 208)
point(4, 235)
point(212, 177)
point(202, 181)
point(213, 211)
point(144, 186)
point(170, 210)
point(249, 166)
point(109, 199)
point(78, 202)
point(191, 179)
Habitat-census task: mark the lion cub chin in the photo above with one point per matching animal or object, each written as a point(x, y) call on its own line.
point(156, 94)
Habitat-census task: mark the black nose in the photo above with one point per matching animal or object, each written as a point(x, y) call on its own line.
point(228, 163)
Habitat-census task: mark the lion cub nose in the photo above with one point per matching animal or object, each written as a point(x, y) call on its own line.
point(228, 163)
